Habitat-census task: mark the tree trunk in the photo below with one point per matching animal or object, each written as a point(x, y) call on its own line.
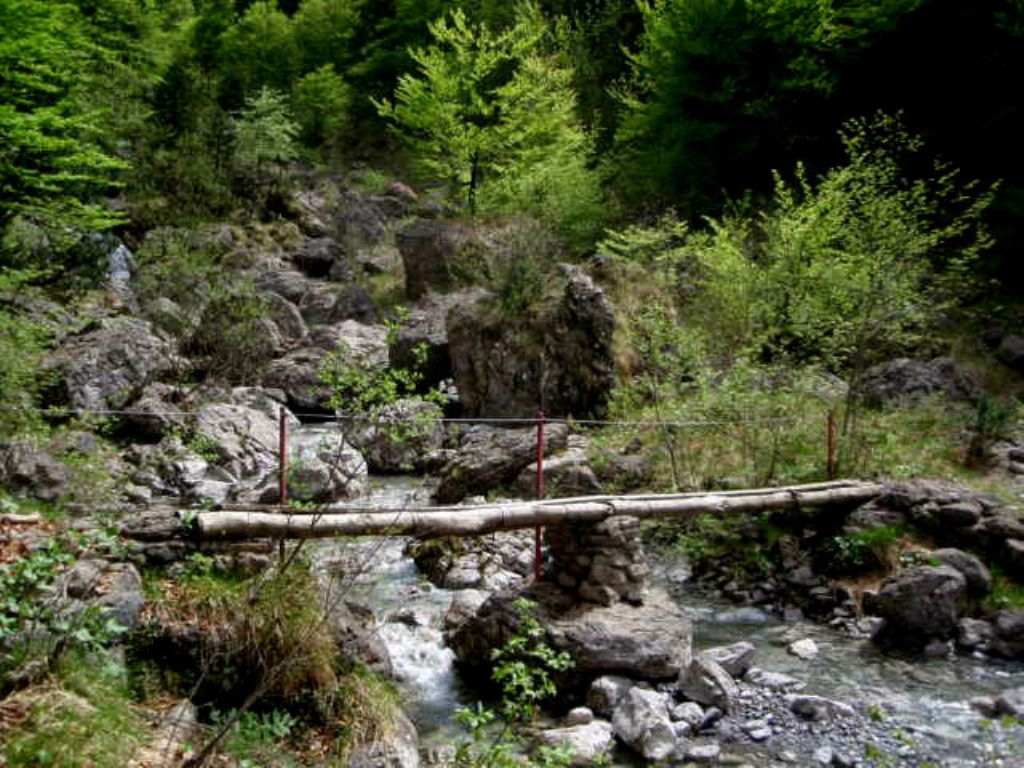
point(487, 518)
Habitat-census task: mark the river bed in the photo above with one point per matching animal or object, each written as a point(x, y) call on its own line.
point(921, 704)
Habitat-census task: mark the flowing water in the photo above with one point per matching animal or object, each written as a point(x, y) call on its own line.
point(924, 698)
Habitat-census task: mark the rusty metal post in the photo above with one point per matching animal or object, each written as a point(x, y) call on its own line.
point(538, 535)
point(831, 462)
point(282, 452)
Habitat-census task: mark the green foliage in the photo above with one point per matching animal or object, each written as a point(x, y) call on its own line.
point(258, 52)
point(493, 114)
point(325, 33)
point(255, 738)
point(993, 420)
point(265, 141)
point(53, 164)
point(83, 717)
point(839, 270)
point(865, 550)
point(321, 102)
point(22, 344)
point(523, 285)
point(33, 623)
point(524, 670)
point(230, 340)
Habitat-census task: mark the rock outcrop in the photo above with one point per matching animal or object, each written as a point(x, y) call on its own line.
point(558, 360)
point(109, 366)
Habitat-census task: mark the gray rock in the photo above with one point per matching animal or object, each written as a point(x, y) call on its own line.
point(606, 691)
point(959, 514)
point(906, 381)
point(465, 603)
point(579, 716)
point(110, 366)
point(688, 712)
point(488, 458)
point(158, 410)
point(705, 682)
point(399, 749)
point(818, 707)
point(773, 681)
point(83, 579)
point(1011, 351)
point(805, 649)
point(641, 720)
point(735, 659)
point(124, 599)
point(286, 316)
point(588, 742)
point(329, 305)
point(29, 470)
point(702, 753)
point(649, 641)
point(244, 439)
point(979, 579)
point(437, 255)
point(1011, 703)
point(402, 435)
point(1008, 641)
point(565, 474)
point(919, 604)
point(559, 356)
point(823, 755)
point(974, 634)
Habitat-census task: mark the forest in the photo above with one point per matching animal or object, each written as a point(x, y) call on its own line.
point(718, 244)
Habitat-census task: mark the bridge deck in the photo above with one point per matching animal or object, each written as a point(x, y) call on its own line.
point(236, 522)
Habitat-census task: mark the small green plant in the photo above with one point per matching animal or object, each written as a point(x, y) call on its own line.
point(993, 420)
point(524, 670)
point(256, 739)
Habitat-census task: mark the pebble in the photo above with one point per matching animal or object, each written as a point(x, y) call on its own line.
point(703, 753)
point(823, 755)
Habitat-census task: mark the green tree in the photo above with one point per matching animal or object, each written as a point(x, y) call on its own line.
point(53, 162)
point(321, 101)
point(325, 32)
point(258, 50)
point(493, 114)
point(265, 141)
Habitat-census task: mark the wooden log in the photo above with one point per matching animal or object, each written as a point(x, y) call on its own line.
point(487, 518)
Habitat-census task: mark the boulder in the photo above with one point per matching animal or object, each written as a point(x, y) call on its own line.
point(317, 256)
point(400, 748)
point(426, 329)
point(906, 381)
point(331, 304)
point(28, 470)
point(402, 436)
point(649, 641)
point(919, 604)
point(438, 255)
point(286, 316)
point(558, 358)
point(705, 682)
point(1011, 703)
point(974, 634)
point(565, 474)
point(488, 458)
point(109, 366)
point(642, 721)
point(805, 649)
point(773, 681)
point(818, 707)
point(587, 743)
point(158, 410)
point(1011, 351)
point(297, 373)
point(1008, 631)
point(242, 440)
point(605, 693)
point(979, 579)
point(735, 659)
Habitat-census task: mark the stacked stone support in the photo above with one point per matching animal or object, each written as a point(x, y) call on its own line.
point(600, 562)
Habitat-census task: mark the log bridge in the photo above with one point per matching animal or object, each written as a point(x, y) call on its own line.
point(594, 540)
